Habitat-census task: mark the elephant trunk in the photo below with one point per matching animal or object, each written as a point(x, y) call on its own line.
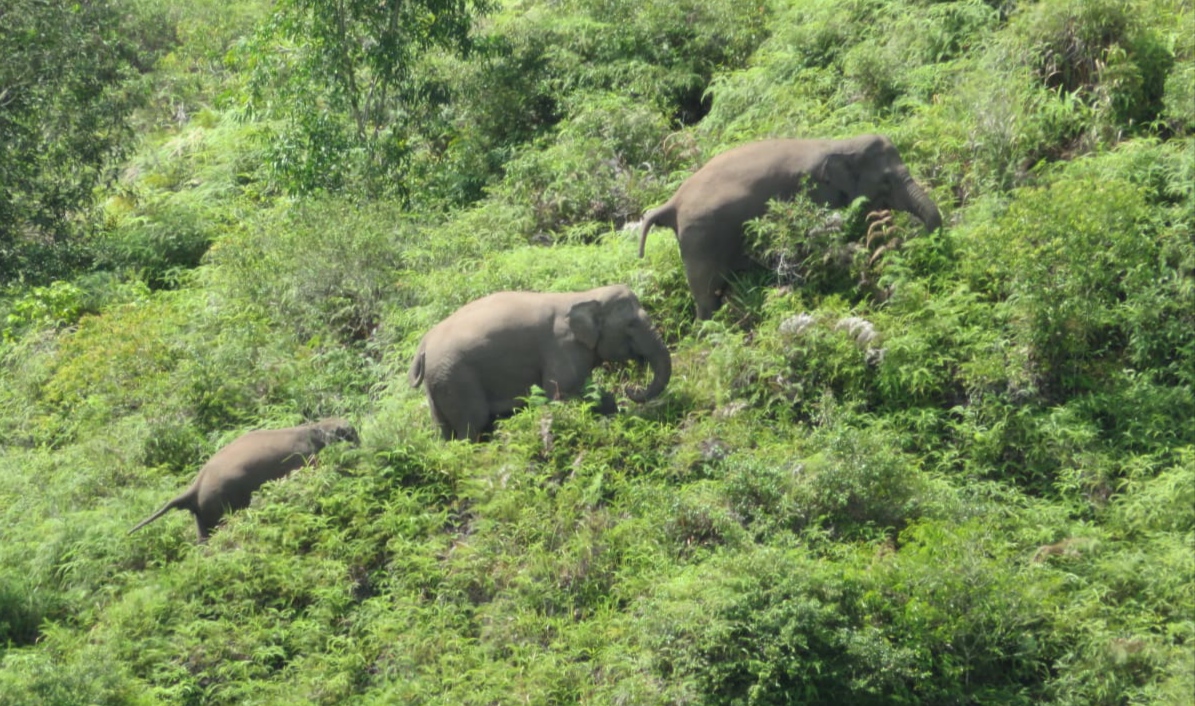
point(649, 344)
point(921, 205)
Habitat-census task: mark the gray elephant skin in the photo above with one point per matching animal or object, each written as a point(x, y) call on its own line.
point(227, 481)
point(476, 364)
point(709, 209)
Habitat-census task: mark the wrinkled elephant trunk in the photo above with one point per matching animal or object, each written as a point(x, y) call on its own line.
point(649, 344)
point(922, 206)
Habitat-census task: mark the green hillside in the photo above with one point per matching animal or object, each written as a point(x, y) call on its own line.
point(959, 469)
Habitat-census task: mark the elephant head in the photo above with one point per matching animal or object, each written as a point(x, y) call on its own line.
point(874, 169)
point(335, 429)
point(901, 193)
point(617, 329)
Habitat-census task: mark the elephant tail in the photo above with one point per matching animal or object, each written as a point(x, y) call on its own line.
point(184, 501)
point(664, 215)
point(415, 376)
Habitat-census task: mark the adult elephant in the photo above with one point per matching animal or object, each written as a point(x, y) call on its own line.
point(708, 210)
point(477, 364)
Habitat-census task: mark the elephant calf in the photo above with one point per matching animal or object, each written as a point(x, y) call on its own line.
point(709, 209)
point(477, 364)
point(228, 479)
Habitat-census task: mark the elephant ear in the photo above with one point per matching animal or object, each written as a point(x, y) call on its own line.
point(583, 322)
point(837, 174)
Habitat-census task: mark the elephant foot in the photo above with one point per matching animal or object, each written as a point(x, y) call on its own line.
point(606, 405)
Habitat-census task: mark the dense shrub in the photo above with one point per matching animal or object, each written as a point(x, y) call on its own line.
point(1101, 53)
point(1069, 260)
point(607, 150)
point(320, 271)
point(113, 365)
point(765, 625)
point(158, 245)
point(647, 63)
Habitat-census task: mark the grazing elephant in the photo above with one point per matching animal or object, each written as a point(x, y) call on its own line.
point(477, 363)
point(230, 476)
point(708, 210)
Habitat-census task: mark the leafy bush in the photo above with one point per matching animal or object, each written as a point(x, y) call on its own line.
point(1111, 656)
point(1063, 257)
point(186, 46)
point(970, 617)
point(21, 613)
point(30, 678)
point(813, 247)
point(1101, 53)
point(816, 361)
point(544, 63)
point(829, 65)
point(1158, 503)
point(765, 625)
point(113, 365)
point(158, 244)
point(323, 270)
point(358, 71)
point(762, 626)
point(916, 56)
point(592, 168)
point(856, 484)
point(59, 304)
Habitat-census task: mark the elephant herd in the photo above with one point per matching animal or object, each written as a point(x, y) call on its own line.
point(478, 364)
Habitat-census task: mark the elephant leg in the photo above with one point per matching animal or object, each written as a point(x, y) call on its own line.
point(711, 249)
point(707, 285)
point(475, 427)
point(473, 416)
point(458, 405)
point(446, 431)
point(205, 522)
point(606, 405)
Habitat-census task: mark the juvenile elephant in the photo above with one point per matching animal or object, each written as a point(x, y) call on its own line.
point(228, 479)
point(478, 362)
point(709, 209)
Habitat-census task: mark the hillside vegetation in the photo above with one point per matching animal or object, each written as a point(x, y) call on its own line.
point(958, 472)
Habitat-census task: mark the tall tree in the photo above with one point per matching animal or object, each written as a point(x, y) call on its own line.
point(63, 118)
point(339, 73)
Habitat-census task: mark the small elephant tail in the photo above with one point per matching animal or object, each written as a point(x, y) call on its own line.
point(664, 215)
point(183, 501)
point(415, 376)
